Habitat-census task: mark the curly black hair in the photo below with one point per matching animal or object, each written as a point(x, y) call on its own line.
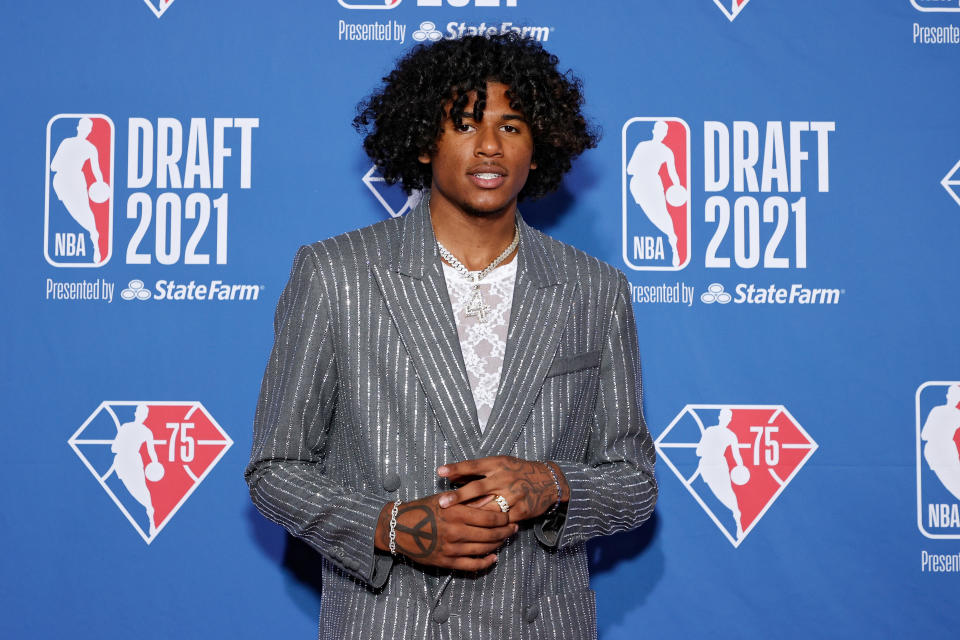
point(403, 118)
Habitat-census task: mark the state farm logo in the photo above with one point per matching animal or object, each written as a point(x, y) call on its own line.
point(770, 294)
point(159, 7)
point(174, 291)
point(454, 30)
point(735, 460)
point(951, 182)
point(78, 210)
point(936, 5)
point(135, 291)
point(427, 31)
point(714, 293)
point(150, 456)
point(938, 459)
point(391, 196)
point(731, 8)
point(656, 193)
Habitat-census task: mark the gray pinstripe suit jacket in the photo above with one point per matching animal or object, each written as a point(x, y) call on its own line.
point(366, 394)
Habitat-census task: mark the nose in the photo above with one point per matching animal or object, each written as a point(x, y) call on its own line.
point(488, 141)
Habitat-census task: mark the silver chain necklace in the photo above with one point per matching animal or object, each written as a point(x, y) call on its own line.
point(476, 306)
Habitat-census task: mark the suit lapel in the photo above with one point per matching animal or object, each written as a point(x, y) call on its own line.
point(541, 302)
point(415, 293)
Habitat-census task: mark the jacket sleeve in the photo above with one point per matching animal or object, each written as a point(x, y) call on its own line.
point(286, 475)
point(615, 489)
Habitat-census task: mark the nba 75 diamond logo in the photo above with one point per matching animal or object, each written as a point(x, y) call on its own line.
point(159, 7)
point(731, 8)
point(938, 459)
point(150, 456)
point(391, 196)
point(735, 460)
point(951, 182)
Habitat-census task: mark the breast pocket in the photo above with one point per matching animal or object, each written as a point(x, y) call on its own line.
point(565, 407)
point(569, 364)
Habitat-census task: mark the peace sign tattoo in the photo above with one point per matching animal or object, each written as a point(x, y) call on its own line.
point(424, 532)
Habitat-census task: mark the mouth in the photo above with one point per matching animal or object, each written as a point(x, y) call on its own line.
point(488, 177)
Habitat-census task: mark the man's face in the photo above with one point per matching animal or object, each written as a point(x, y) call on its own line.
point(480, 167)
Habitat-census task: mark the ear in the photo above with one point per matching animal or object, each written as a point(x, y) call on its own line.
point(533, 165)
point(424, 158)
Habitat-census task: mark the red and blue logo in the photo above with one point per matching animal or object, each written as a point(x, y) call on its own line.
point(731, 8)
point(656, 194)
point(938, 459)
point(159, 7)
point(78, 216)
point(150, 456)
point(735, 460)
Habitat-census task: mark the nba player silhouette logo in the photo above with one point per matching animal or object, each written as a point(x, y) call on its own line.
point(150, 456)
point(656, 194)
point(735, 460)
point(938, 459)
point(78, 216)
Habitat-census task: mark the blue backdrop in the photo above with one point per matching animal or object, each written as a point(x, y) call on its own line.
point(808, 321)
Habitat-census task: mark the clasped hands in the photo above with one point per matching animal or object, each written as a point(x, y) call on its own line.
point(461, 529)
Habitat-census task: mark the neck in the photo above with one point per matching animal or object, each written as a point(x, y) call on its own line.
point(475, 241)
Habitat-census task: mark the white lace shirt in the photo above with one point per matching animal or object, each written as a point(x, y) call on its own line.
point(483, 344)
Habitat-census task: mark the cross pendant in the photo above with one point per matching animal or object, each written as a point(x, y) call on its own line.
point(476, 307)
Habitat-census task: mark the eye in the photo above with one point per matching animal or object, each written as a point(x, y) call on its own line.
point(509, 128)
point(463, 127)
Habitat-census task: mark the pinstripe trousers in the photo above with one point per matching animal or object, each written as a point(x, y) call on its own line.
point(365, 394)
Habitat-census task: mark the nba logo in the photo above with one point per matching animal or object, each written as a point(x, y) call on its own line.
point(78, 215)
point(656, 194)
point(735, 460)
point(938, 459)
point(149, 457)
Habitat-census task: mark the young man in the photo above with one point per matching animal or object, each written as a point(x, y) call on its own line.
point(452, 406)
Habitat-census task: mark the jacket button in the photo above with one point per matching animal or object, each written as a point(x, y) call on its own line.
point(441, 614)
point(391, 482)
point(532, 612)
